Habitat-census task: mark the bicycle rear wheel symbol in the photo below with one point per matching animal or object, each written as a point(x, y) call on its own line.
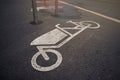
point(46, 57)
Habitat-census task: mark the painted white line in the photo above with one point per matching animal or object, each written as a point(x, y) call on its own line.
point(96, 13)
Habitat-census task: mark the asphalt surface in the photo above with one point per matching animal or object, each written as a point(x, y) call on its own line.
point(91, 55)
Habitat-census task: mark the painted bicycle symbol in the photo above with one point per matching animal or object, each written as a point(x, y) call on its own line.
point(55, 39)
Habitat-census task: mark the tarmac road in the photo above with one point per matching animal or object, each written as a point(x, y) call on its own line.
point(91, 55)
point(107, 7)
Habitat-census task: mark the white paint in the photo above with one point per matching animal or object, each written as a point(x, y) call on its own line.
point(48, 68)
point(96, 13)
point(62, 29)
point(45, 56)
point(81, 29)
point(53, 37)
point(90, 23)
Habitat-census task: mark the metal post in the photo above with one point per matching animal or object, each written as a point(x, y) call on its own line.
point(35, 13)
point(56, 7)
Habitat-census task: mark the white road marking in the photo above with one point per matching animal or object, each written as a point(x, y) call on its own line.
point(53, 37)
point(80, 26)
point(47, 68)
point(50, 38)
point(96, 13)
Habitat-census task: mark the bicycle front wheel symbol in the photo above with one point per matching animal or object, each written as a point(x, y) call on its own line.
point(48, 68)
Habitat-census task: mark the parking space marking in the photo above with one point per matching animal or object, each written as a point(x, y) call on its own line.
point(96, 13)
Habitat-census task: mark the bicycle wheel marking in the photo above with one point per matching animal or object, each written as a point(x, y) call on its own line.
point(58, 35)
point(48, 68)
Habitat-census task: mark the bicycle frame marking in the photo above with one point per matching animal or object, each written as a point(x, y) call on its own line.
point(53, 37)
point(77, 25)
